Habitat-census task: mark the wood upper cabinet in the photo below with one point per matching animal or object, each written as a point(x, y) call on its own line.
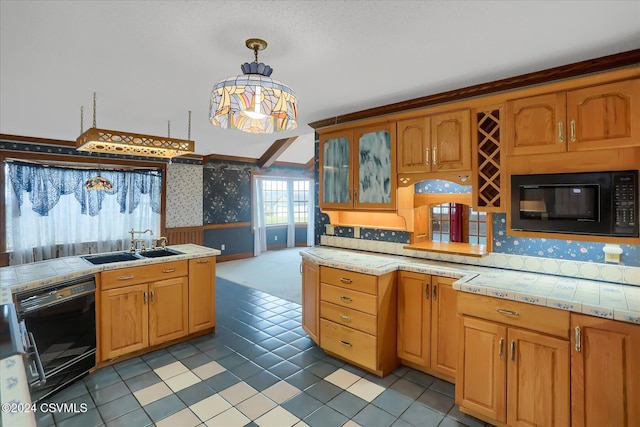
point(596, 117)
point(436, 143)
point(358, 168)
point(605, 372)
point(427, 323)
point(311, 299)
point(202, 294)
point(124, 316)
point(168, 310)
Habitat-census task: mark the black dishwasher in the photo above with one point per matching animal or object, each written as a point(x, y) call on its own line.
point(60, 322)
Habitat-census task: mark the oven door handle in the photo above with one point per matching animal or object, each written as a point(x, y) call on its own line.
point(33, 350)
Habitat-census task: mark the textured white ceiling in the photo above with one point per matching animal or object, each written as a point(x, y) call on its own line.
point(153, 61)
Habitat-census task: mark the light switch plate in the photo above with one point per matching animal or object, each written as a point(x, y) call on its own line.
point(356, 232)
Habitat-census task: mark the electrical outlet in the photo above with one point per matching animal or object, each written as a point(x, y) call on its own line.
point(612, 253)
point(356, 232)
point(222, 247)
point(275, 238)
point(329, 231)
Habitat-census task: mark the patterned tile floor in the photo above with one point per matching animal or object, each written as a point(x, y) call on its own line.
point(259, 369)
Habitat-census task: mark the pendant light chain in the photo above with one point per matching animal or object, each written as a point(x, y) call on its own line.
point(94, 110)
point(189, 129)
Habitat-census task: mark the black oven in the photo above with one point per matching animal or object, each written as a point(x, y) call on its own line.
point(593, 203)
point(59, 324)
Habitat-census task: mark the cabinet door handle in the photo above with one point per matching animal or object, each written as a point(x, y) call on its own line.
point(507, 312)
point(153, 294)
point(346, 318)
point(346, 299)
point(203, 261)
point(573, 131)
point(426, 156)
point(501, 348)
point(513, 350)
point(144, 298)
point(435, 291)
point(435, 156)
point(169, 270)
point(578, 338)
point(126, 277)
point(345, 343)
point(300, 268)
point(426, 290)
point(560, 131)
point(346, 280)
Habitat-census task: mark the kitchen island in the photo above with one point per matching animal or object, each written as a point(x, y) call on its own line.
point(500, 335)
point(14, 389)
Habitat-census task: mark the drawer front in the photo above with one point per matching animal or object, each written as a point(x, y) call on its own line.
point(529, 316)
point(349, 279)
point(348, 343)
point(347, 317)
point(143, 274)
point(348, 298)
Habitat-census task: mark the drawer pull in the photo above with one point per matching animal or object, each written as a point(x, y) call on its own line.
point(508, 312)
point(346, 299)
point(169, 270)
point(501, 348)
point(126, 277)
point(345, 343)
point(346, 280)
point(203, 261)
point(346, 318)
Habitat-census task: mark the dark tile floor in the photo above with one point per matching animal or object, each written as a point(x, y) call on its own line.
point(259, 369)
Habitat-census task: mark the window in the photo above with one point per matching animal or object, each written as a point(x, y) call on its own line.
point(276, 201)
point(447, 220)
point(50, 214)
point(301, 201)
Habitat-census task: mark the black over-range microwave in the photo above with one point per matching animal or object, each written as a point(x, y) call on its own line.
point(596, 203)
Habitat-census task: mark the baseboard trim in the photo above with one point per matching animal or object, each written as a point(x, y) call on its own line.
point(242, 255)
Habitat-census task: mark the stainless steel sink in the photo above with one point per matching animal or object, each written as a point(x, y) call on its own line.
point(109, 258)
point(158, 253)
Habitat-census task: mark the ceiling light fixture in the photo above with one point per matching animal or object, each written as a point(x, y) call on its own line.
point(253, 102)
point(132, 144)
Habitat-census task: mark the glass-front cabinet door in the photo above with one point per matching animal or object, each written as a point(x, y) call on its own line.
point(336, 181)
point(375, 164)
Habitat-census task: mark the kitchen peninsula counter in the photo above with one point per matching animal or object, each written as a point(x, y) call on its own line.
point(14, 389)
point(608, 300)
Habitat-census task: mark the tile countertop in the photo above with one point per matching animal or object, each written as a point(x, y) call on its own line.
point(14, 390)
point(601, 299)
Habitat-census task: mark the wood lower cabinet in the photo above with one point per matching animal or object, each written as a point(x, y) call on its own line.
point(427, 323)
point(358, 318)
point(168, 310)
point(202, 294)
point(124, 315)
point(145, 306)
point(513, 371)
point(605, 372)
point(311, 299)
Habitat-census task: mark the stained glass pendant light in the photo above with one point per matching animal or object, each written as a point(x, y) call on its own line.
point(253, 102)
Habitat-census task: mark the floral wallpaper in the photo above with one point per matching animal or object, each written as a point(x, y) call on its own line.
point(184, 195)
point(227, 189)
point(434, 186)
point(557, 249)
